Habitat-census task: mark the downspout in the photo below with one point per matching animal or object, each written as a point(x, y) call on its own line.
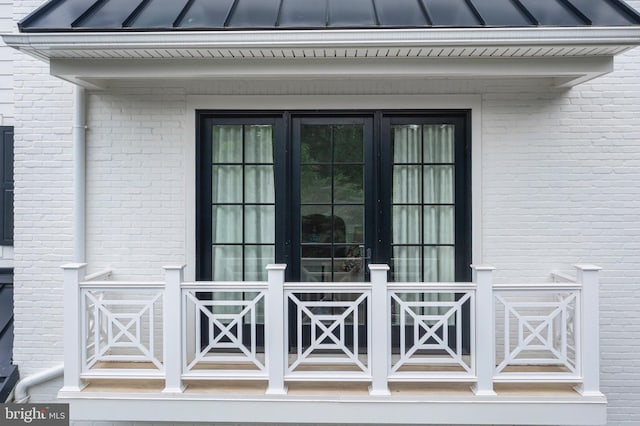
point(21, 394)
point(79, 174)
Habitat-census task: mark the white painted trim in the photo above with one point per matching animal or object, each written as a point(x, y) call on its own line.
point(330, 102)
point(337, 410)
point(48, 43)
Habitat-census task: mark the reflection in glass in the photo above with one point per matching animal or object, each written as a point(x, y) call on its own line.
point(348, 184)
point(348, 143)
point(315, 144)
point(316, 264)
point(315, 184)
point(353, 218)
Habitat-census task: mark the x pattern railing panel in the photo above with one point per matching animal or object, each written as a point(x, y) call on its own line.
point(329, 330)
point(229, 329)
point(428, 329)
point(121, 326)
point(538, 329)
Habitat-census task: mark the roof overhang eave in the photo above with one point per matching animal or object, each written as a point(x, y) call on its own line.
point(572, 55)
point(47, 42)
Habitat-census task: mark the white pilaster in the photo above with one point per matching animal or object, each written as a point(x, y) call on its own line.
point(590, 329)
point(172, 305)
point(73, 274)
point(485, 330)
point(275, 330)
point(380, 320)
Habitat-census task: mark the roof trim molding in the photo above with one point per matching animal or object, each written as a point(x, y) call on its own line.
point(571, 55)
point(432, 37)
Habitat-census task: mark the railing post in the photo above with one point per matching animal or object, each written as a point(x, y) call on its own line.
point(589, 328)
point(485, 330)
point(73, 319)
point(275, 330)
point(379, 321)
point(172, 340)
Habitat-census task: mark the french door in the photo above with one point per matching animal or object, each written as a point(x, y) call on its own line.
point(327, 193)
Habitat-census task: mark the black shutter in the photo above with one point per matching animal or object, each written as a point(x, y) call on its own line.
point(6, 195)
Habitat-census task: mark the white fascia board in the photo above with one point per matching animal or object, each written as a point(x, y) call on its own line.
point(275, 39)
point(97, 71)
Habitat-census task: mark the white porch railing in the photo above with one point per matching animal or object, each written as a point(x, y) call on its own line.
point(376, 332)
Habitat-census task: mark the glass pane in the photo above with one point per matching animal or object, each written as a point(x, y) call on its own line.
point(315, 264)
point(226, 184)
point(406, 264)
point(258, 144)
point(227, 144)
point(407, 181)
point(348, 143)
point(315, 144)
point(259, 186)
point(259, 224)
point(256, 259)
point(348, 184)
point(316, 224)
point(439, 225)
point(227, 224)
point(227, 263)
point(349, 263)
point(438, 184)
point(406, 224)
point(438, 143)
point(349, 224)
point(315, 184)
point(439, 264)
point(406, 144)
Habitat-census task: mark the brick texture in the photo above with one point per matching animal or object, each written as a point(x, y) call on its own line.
point(561, 174)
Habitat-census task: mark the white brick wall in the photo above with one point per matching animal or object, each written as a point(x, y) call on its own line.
point(561, 173)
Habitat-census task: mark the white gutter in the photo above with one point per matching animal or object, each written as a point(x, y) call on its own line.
point(46, 43)
point(21, 394)
point(79, 174)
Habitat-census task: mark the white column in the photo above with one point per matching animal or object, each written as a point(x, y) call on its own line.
point(485, 330)
point(589, 329)
point(379, 323)
point(74, 273)
point(172, 306)
point(275, 329)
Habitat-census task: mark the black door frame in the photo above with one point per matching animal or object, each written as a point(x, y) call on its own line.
point(378, 175)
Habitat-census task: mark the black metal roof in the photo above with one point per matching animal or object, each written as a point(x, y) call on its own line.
point(166, 15)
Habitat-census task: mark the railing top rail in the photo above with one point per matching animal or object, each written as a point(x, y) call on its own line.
point(539, 286)
point(125, 285)
point(324, 286)
point(225, 285)
point(431, 286)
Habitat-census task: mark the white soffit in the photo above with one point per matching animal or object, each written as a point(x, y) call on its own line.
point(571, 54)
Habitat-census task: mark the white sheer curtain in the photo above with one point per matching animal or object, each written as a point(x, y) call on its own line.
point(423, 175)
point(242, 189)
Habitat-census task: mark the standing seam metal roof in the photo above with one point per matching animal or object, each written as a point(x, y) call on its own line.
point(172, 15)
